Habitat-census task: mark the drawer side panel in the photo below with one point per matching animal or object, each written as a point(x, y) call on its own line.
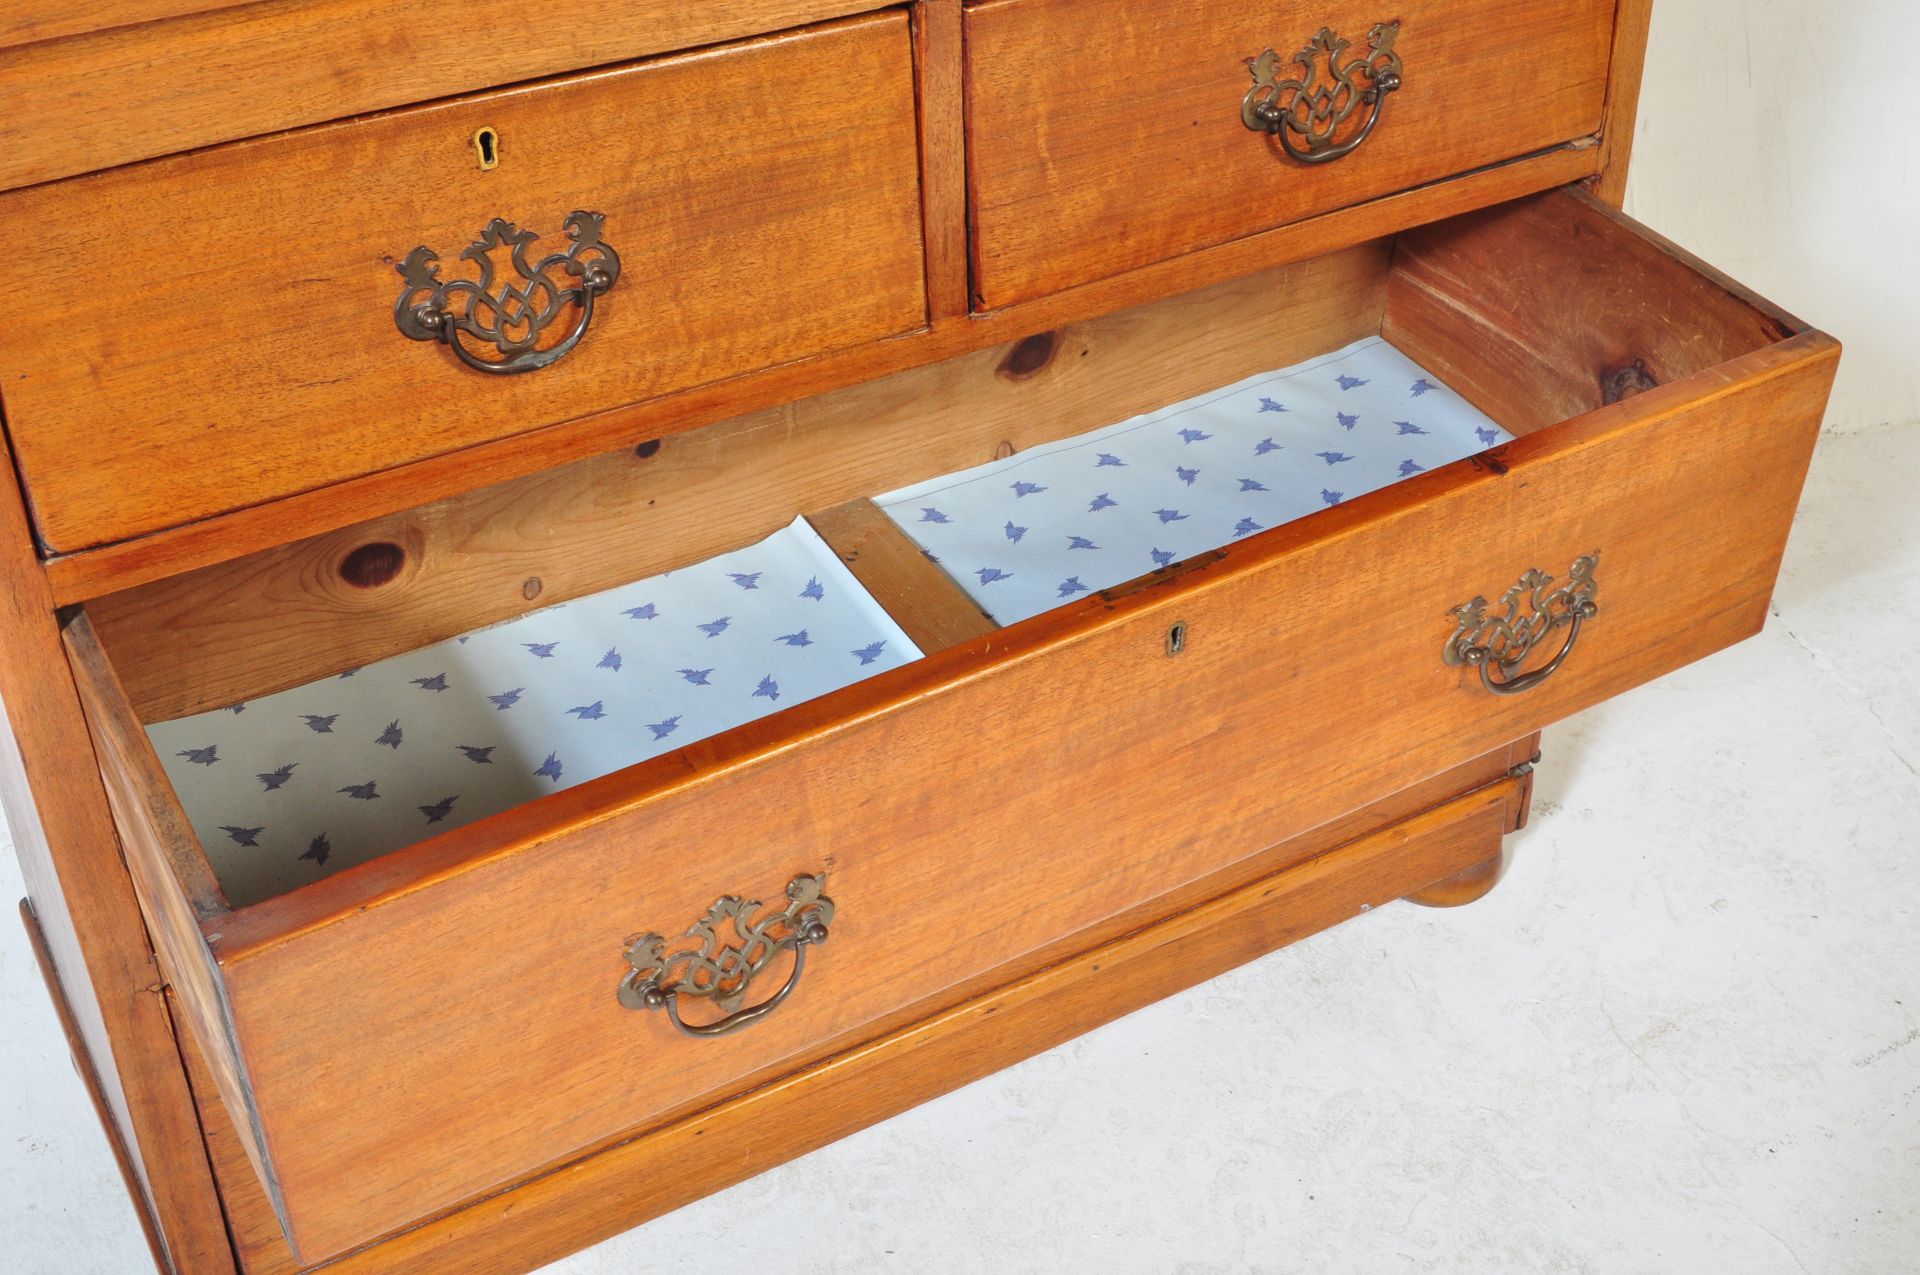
point(173, 883)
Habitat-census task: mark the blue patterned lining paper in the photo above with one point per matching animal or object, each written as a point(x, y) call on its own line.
point(1025, 534)
point(293, 786)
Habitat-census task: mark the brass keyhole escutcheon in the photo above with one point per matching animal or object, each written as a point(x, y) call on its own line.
point(486, 146)
point(1177, 638)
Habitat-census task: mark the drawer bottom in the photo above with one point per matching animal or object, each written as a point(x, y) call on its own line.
point(299, 784)
point(1096, 510)
point(1184, 943)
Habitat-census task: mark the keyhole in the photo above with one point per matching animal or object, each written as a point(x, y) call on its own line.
point(1177, 638)
point(486, 144)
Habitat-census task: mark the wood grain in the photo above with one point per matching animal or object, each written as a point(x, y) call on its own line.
point(88, 911)
point(1095, 981)
point(935, 612)
point(938, 61)
point(81, 576)
point(794, 793)
point(1626, 67)
point(1469, 885)
point(244, 345)
point(135, 92)
point(262, 623)
point(175, 882)
point(191, 80)
point(28, 21)
point(1552, 306)
point(90, 1079)
point(1106, 134)
point(524, 894)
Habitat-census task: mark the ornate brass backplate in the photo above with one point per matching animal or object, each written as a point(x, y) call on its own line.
point(1499, 644)
point(723, 971)
point(1305, 111)
point(510, 316)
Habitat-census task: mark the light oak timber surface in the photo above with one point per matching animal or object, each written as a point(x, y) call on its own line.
point(243, 345)
point(80, 576)
point(1107, 134)
point(240, 70)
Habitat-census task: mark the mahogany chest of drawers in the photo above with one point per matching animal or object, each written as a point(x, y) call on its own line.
point(373, 330)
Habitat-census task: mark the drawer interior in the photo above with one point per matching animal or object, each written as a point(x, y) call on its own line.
point(1640, 389)
point(284, 787)
point(308, 781)
point(1399, 357)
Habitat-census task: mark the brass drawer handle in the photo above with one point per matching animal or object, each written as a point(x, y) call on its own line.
point(724, 971)
point(1500, 644)
point(509, 315)
point(1304, 107)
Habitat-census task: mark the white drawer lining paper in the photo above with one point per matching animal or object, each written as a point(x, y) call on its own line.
point(295, 785)
point(1025, 534)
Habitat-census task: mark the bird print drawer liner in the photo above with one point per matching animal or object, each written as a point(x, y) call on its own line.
point(1025, 534)
point(293, 786)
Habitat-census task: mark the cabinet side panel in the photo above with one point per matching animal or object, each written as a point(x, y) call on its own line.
point(1630, 22)
point(85, 904)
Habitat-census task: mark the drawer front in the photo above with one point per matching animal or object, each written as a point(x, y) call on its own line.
point(1109, 134)
point(236, 338)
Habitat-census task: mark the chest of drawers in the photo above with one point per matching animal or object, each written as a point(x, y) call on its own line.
point(372, 332)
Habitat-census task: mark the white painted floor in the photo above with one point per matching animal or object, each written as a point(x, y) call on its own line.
point(1683, 1036)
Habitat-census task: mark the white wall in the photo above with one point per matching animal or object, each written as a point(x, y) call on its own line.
point(1780, 140)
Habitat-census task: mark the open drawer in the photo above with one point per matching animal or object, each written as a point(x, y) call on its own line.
point(464, 1012)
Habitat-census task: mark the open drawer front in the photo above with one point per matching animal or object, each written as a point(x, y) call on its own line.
point(437, 1022)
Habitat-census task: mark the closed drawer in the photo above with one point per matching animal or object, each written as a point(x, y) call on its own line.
point(235, 339)
point(427, 1026)
point(1108, 134)
point(187, 74)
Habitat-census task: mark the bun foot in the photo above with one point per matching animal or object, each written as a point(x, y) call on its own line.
point(1463, 886)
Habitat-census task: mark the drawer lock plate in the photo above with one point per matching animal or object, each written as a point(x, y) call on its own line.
point(722, 969)
point(1500, 643)
point(510, 316)
point(1307, 111)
